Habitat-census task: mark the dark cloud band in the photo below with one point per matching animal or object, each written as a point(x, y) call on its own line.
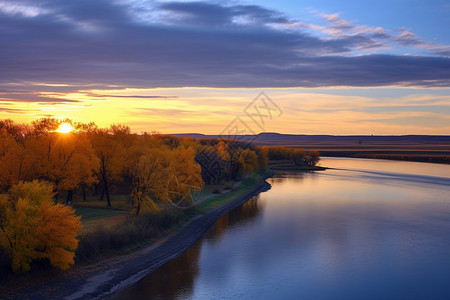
point(192, 44)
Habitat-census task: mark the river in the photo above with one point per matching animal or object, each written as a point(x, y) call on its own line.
point(367, 229)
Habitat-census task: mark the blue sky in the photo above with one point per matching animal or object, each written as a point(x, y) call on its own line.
point(375, 63)
point(429, 19)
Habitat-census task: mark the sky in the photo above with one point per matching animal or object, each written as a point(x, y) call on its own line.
point(326, 67)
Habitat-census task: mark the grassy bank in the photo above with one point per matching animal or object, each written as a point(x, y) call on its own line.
point(110, 232)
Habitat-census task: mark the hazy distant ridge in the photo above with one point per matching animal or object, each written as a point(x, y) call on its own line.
point(273, 136)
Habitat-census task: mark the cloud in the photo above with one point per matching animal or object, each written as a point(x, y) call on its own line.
point(206, 14)
point(377, 37)
point(13, 110)
point(26, 98)
point(407, 38)
point(175, 44)
point(129, 96)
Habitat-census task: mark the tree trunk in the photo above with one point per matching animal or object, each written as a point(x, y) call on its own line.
point(103, 193)
point(83, 190)
point(106, 190)
point(107, 195)
point(138, 208)
point(69, 197)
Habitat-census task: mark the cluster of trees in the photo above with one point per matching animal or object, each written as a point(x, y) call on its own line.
point(41, 168)
point(151, 167)
point(224, 159)
point(299, 157)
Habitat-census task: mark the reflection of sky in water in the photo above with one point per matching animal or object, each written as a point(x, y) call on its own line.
point(337, 234)
point(389, 166)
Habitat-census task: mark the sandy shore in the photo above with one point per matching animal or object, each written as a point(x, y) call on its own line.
point(106, 277)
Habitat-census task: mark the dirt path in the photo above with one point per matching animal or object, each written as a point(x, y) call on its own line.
point(108, 276)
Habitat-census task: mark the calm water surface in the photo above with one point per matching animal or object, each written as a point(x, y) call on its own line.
point(365, 230)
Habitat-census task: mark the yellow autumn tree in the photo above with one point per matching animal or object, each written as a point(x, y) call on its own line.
point(149, 172)
point(33, 227)
point(248, 160)
point(111, 147)
point(185, 177)
point(66, 160)
point(263, 157)
point(312, 158)
point(298, 156)
point(11, 154)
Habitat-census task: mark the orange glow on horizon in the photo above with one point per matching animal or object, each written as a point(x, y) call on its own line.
point(378, 111)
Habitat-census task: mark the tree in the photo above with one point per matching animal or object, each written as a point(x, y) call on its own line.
point(111, 146)
point(12, 161)
point(213, 166)
point(185, 177)
point(149, 173)
point(18, 131)
point(263, 157)
point(67, 160)
point(312, 158)
point(46, 125)
point(33, 227)
point(248, 160)
point(298, 156)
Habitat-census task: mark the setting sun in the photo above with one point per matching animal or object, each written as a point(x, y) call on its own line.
point(65, 128)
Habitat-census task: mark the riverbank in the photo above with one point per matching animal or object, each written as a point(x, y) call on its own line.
point(363, 230)
point(287, 165)
point(107, 276)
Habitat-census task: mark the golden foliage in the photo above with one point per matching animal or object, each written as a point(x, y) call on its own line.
point(63, 159)
point(111, 147)
point(149, 172)
point(12, 165)
point(164, 175)
point(248, 160)
point(186, 175)
point(33, 227)
point(298, 156)
point(151, 167)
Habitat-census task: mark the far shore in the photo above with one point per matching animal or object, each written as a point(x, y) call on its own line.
point(294, 168)
point(110, 275)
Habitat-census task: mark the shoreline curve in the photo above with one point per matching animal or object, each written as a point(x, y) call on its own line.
point(104, 278)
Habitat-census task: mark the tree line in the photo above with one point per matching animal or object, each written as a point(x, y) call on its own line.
point(299, 157)
point(41, 169)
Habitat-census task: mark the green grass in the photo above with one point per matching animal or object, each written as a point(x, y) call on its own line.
point(118, 201)
point(118, 229)
point(88, 214)
point(245, 186)
point(93, 218)
point(95, 213)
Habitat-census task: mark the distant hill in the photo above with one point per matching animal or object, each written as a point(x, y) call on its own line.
point(273, 137)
